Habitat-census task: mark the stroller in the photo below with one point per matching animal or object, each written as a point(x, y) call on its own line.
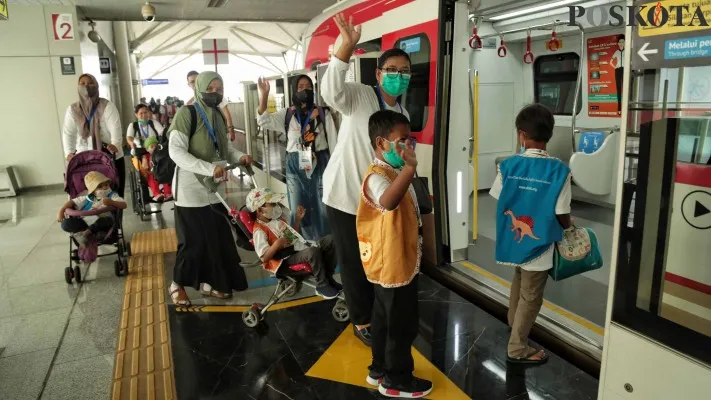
point(78, 167)
point(140, 197)
point(290, 277)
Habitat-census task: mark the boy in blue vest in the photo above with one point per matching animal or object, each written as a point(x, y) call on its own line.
point(533, 193)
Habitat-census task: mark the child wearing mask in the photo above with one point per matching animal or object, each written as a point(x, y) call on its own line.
point(99, 191)
point(276, 243)
point(390, 240)
point(533, 208)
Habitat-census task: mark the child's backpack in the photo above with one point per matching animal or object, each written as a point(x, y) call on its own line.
point(320, 119)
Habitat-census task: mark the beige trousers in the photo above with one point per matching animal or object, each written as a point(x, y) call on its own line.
point(524, 304)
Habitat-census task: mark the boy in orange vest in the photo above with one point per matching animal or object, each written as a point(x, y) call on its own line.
point(390, 239)
point(275, 242)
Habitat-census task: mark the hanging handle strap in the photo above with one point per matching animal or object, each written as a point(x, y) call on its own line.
point(502, 48)
point(554, 44)
point(528, 56)
point(475, 40)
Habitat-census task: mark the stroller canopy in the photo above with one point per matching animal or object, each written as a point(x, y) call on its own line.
point(84, 162)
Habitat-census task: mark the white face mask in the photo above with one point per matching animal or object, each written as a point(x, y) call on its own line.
point(101, 193)
point(274, 213)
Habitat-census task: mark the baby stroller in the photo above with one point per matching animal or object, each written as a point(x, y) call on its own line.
point(140, 197)
point(78, 167)
point(290, 277)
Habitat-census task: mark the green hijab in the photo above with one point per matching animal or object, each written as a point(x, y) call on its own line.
point(201, 144)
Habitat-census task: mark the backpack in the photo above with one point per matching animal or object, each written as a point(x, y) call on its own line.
point(136, 130)
point(162, 166)
point(321, 118)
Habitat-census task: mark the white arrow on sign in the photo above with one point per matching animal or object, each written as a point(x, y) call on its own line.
point(643, 51)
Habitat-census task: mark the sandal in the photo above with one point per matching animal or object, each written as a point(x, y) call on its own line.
point(542, 358)
point(207, 290)
point(179, 297)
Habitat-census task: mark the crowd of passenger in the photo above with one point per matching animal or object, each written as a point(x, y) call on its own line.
point(350, 193)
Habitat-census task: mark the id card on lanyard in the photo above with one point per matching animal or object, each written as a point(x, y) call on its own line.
point(210, 129)
point(305, 150)
point(382, 102)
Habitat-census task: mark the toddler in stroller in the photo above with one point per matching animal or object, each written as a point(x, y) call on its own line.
point(277, 243)
point(84, 173)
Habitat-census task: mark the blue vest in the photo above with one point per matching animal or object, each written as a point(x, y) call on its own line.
point(526, 223)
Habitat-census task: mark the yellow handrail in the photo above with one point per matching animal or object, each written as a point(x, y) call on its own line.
point(475, 156)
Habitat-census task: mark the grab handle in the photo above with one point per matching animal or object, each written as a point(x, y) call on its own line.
point(554, 44)
point(475, 40)
point(502, 48)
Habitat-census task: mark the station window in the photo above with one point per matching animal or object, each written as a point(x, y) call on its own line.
point(555, 77)
point(417, 98)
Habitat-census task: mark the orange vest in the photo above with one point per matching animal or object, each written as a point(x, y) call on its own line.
point(273, 264)
point(389, 241)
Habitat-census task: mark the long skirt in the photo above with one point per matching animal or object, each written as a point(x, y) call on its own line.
point(308, 192)
point(207, 252)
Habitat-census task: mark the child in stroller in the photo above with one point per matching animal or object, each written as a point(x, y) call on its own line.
point(99, 195)
point(158, 192)
point(275, 242)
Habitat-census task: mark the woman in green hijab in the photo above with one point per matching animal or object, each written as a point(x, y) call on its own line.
point(207, 256)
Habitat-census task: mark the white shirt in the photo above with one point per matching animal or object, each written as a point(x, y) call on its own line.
point(617, 56)
point(261, 240)
point(350, 159)
point(80, 202)
point(275, 122)
point(188, 190)
point(562, 206)
point(131, 133)
point(109, 131)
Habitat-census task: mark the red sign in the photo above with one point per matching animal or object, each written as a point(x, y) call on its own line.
point(63, 25)
point(215, 51)
point(605, 74)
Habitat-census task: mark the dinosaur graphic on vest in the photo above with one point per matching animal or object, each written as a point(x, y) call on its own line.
point(523, 226)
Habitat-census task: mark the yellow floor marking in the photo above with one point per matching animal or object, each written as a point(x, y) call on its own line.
point(347, 360)
point(556, 309)
point(143, 367)
point(241, 308)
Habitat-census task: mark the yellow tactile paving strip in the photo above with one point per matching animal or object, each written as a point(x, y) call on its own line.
point(143, 366)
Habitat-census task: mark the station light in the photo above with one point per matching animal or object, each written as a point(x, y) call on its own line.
point(535, 9)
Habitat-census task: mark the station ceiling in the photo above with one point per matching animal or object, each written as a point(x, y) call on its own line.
point(205, 10)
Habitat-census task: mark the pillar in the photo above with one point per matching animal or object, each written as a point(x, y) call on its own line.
point(136, 80)
point(123, 68)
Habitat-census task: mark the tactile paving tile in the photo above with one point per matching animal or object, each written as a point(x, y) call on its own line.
point(143, 365)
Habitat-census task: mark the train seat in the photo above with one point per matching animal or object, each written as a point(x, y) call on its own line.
point(593, 172)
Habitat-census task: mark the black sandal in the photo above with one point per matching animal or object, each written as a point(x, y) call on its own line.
point(528, 360)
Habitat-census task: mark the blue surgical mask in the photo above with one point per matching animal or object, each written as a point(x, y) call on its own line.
point(391, 157)
point(395, 84)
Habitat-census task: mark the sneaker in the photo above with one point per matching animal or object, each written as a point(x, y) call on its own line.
point(364, 335)
point(81, 238)
point(375, 377)
point(158, 198)
point(328, 292)
point(168, 197)
point(335, 284)
point(415, 389)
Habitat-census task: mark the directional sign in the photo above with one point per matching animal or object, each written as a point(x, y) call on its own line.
point(215, 51)
point(150, 82)
point(696, 209)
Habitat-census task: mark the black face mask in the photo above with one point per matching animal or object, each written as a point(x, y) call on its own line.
point(211, 99)
point(303, 98)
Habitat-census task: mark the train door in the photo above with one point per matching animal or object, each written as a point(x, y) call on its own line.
point(659, 323)
point(512, 66)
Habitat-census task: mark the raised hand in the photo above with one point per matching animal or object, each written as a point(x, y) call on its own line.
point(408, 154)
point(349, 34)
point(264, 87)
point(300, 213)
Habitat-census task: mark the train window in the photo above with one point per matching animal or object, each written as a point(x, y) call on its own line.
point(555, 77)
point(417, 97)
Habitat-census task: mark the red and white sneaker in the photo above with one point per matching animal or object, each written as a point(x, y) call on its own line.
point(375, 378)
point(415, 389)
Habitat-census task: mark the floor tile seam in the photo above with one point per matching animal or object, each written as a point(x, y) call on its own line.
point(3, 356)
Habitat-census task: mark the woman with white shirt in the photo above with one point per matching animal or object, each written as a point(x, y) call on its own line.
point(93, 123)
point(353, 154)
point(207, 257)
point(310, 139)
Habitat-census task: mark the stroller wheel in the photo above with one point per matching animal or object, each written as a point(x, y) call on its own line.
point(68, 275)
point(118, 268)
point(252, 316)
point(77, 274)
point(340, 311)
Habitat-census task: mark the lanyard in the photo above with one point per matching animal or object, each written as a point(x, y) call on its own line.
point(382, 102)
point(305, 123)
point(91, 115)
point(209, 128)
point(145, 130)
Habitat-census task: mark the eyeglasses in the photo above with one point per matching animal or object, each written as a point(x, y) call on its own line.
point(406, 73)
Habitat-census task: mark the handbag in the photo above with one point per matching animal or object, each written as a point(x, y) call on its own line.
point(576, 253)
point(422, 191)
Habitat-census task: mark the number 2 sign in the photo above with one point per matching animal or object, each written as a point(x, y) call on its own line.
point(63, 25)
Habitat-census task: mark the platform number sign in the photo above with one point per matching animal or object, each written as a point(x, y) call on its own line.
point(3, 10)
point(63, 25)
